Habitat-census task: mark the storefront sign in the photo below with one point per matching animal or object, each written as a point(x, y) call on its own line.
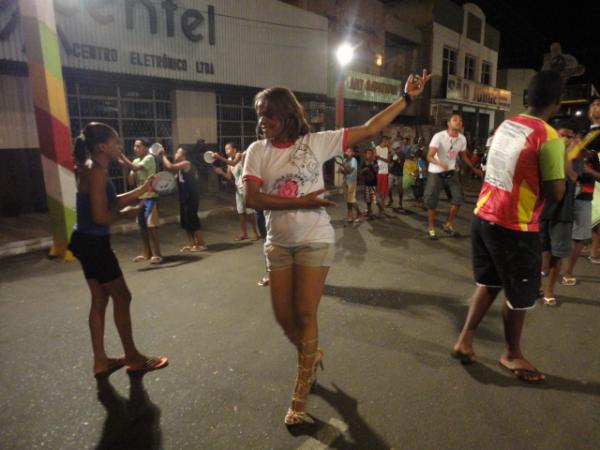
point(362, 86)
point(477, 94)
point(196, 40)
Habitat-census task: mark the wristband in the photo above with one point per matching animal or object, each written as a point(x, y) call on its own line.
point(407, 98)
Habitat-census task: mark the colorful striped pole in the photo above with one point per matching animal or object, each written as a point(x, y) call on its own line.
point(52, 119)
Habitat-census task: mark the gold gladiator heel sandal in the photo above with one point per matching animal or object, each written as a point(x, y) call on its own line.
point(317, 364)
point(305, 378)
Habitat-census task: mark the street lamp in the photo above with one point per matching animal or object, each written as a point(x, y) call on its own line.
point(344, 55)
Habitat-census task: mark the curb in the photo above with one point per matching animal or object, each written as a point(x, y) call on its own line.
point(44, 243)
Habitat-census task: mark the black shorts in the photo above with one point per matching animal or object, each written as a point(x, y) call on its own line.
point(188, 215)
point(96, 257)
point(507, 259)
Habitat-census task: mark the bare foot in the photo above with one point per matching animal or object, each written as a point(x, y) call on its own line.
point(521, 368)
point(463, 352)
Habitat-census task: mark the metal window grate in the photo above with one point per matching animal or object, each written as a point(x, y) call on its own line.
point(134, 111)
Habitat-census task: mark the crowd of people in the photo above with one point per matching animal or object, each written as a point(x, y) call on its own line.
point(535, 196)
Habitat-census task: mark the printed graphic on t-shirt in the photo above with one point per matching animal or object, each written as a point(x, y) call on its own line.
point(453, 150)
point(300, 183)
point(509, 141)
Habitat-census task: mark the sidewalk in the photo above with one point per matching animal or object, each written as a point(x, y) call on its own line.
point(30, 232)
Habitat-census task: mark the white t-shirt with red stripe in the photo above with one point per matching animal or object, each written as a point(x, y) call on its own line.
point(294, 171)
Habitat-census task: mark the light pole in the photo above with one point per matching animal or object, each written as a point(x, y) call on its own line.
point(343, 54)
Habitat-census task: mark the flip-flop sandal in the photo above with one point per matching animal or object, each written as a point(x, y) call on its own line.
point(263, 282)
point(241, 238)
point(187, 248)
point(464, 358)
point(255, 239)
point(140, 258)
point(156, 260)
point(154, 363)
point(568, 281)
point(117, 364)
point(550, 301)
point(200, 248)
point(450, 231)
point(522, 374)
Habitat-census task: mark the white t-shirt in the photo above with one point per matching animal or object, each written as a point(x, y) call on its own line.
point(448, 149)
point(237, 171)
point(384, 153)
point(295, 171)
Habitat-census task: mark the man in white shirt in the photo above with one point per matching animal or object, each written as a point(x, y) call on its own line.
point(445, 146)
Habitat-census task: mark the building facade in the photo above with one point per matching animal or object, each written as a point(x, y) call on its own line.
point(173, 71)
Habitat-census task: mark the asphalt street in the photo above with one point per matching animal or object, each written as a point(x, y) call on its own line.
point(393, 305)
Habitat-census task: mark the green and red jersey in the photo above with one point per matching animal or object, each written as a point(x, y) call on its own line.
point(525, 151)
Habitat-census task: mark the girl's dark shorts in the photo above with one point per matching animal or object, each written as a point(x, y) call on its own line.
point(96, 257)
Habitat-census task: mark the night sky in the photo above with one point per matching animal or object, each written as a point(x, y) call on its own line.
point(528, 28)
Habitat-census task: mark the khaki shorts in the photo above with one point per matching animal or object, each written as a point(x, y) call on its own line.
point(350, 191)
point(310, 255)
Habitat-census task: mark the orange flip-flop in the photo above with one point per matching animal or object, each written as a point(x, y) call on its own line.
point(154, 363)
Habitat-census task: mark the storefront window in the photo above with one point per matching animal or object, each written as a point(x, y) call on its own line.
point(236, 119)
point(133, 110)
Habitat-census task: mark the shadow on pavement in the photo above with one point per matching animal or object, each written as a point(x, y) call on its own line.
point(171, 261)
point(413, 303)
point(564, 300)
point(132, 424)
point(351, 246)
point(363, 436)
point(224, 246)
point(485, 375)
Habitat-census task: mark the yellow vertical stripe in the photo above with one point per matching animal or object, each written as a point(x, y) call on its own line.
point(526, 205)
point(48, 92)
point(482, 201)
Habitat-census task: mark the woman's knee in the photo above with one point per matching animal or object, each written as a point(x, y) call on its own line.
point(122, 297)
point(99, 301)
point(306, 317)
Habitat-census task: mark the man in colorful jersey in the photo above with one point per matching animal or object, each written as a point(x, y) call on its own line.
point(582, 226)
point(525, 167)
